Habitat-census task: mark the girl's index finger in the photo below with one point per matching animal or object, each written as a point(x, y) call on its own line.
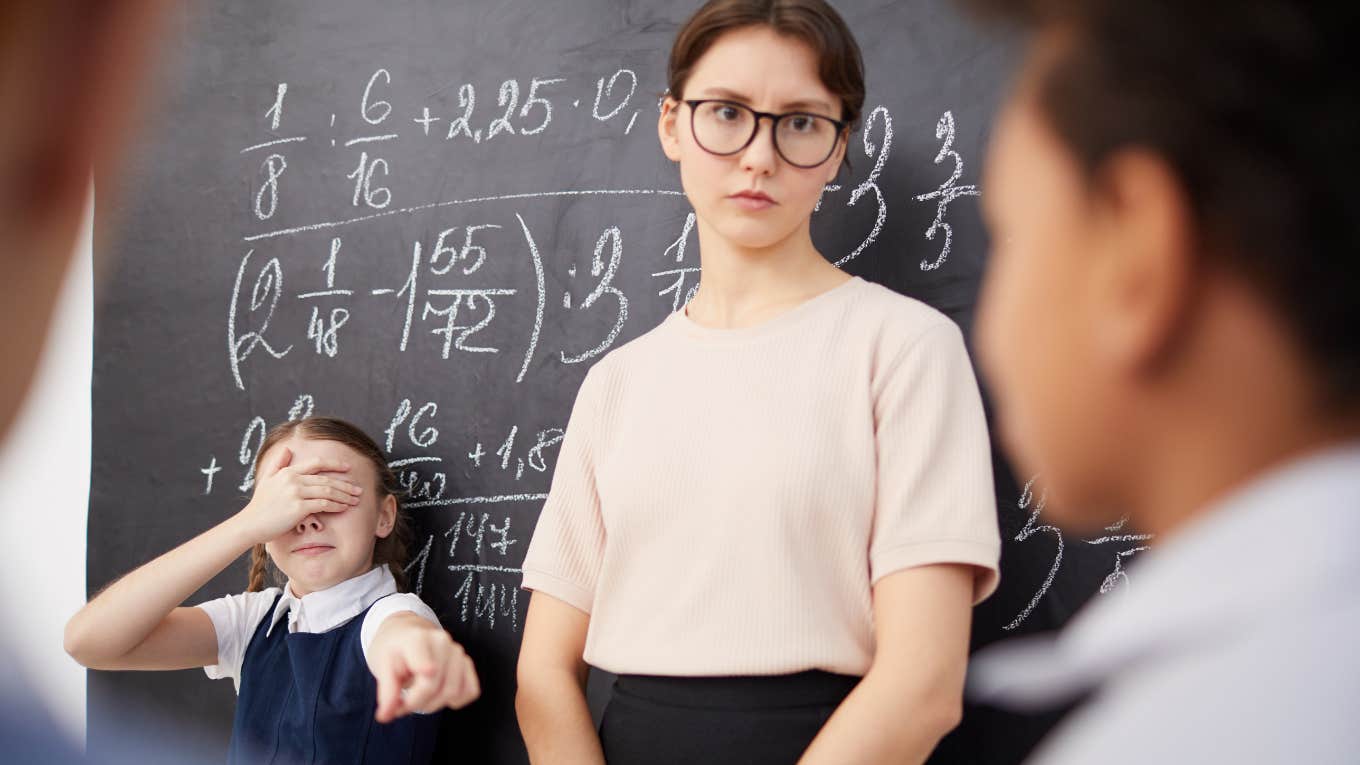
point(390, 704)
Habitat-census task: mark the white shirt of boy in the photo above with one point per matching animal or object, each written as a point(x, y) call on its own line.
point(1234, 643)
point(236, 617)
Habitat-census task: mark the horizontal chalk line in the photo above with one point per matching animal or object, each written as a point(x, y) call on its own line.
point(273, 143)
point(481, 569)
point(413, 460)
point(324, 293)
point(477, 500)
point(473, 200)
point(368, 138)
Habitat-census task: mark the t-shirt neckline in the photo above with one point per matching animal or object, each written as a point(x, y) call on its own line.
point(778, 322)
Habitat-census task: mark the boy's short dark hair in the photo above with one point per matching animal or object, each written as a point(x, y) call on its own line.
point(1249, 103)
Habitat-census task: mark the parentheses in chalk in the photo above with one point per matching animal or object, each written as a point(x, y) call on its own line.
point(268, 284)
point(540, 284)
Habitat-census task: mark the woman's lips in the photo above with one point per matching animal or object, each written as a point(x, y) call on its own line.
point(316, 549)
point(752, 200)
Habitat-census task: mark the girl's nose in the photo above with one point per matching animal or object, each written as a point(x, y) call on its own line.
point(310, 523)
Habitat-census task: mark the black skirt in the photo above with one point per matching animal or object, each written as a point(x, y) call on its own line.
point(766, 720)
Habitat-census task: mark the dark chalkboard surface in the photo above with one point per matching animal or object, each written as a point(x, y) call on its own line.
point(431, 219)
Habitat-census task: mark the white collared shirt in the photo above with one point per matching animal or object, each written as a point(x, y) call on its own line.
point(1234, 643)
point(236, 617)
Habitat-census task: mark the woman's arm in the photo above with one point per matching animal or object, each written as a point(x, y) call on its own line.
point(912, 694)
point(551, 702)
point(134, 624)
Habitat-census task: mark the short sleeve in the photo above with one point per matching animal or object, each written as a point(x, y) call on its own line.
point(386, 606)
point(567, 548)
point(234, 619)
point(935, 501)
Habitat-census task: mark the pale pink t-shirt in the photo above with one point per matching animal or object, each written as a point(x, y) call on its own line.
point(724, 499)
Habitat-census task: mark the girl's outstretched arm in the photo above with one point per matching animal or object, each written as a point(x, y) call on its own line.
point(135, 623)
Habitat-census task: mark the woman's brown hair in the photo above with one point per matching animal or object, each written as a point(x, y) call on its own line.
point(839, 62)
point(389, 550)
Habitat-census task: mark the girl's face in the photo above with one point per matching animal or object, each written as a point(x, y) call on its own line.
point(759, 68)
point(325, 549)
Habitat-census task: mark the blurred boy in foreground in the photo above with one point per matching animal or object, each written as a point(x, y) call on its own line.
point(1170, 327)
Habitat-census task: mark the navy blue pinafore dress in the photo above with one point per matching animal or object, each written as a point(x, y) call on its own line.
point(310, 698)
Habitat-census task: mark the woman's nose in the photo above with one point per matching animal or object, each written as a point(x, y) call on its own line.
point(310, 523)
point(760, 155)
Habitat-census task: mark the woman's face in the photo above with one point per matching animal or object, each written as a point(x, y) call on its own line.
point(759, 68)
point(325, 549)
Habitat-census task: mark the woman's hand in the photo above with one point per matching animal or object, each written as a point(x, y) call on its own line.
point(419, 668)
point(285, 494)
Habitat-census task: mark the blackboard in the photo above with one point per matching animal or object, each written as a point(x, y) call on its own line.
point(431, 219)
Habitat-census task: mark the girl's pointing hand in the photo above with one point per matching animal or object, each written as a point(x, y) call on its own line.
point(419, 668)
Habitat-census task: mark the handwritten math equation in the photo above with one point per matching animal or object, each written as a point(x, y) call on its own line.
point(443, 286)
point(1124, 544)
point(488, 587)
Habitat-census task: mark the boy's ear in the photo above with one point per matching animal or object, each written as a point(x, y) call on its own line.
point(387, 516)
point(1148, 273)
point(667, 128)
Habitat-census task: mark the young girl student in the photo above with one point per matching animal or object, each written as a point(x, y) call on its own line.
point(772, 513)
point(325, 665)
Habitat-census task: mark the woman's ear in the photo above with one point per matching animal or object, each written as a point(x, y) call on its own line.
point(387, 516)
point(667, 128)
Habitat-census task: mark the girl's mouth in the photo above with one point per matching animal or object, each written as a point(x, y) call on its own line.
point(313, 549)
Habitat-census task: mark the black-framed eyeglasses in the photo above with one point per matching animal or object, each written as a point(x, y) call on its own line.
point(726, 127)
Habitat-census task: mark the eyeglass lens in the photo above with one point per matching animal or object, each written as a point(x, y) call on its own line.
point(804, 140)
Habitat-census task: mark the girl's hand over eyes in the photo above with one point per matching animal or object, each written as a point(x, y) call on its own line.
point(285, 494)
